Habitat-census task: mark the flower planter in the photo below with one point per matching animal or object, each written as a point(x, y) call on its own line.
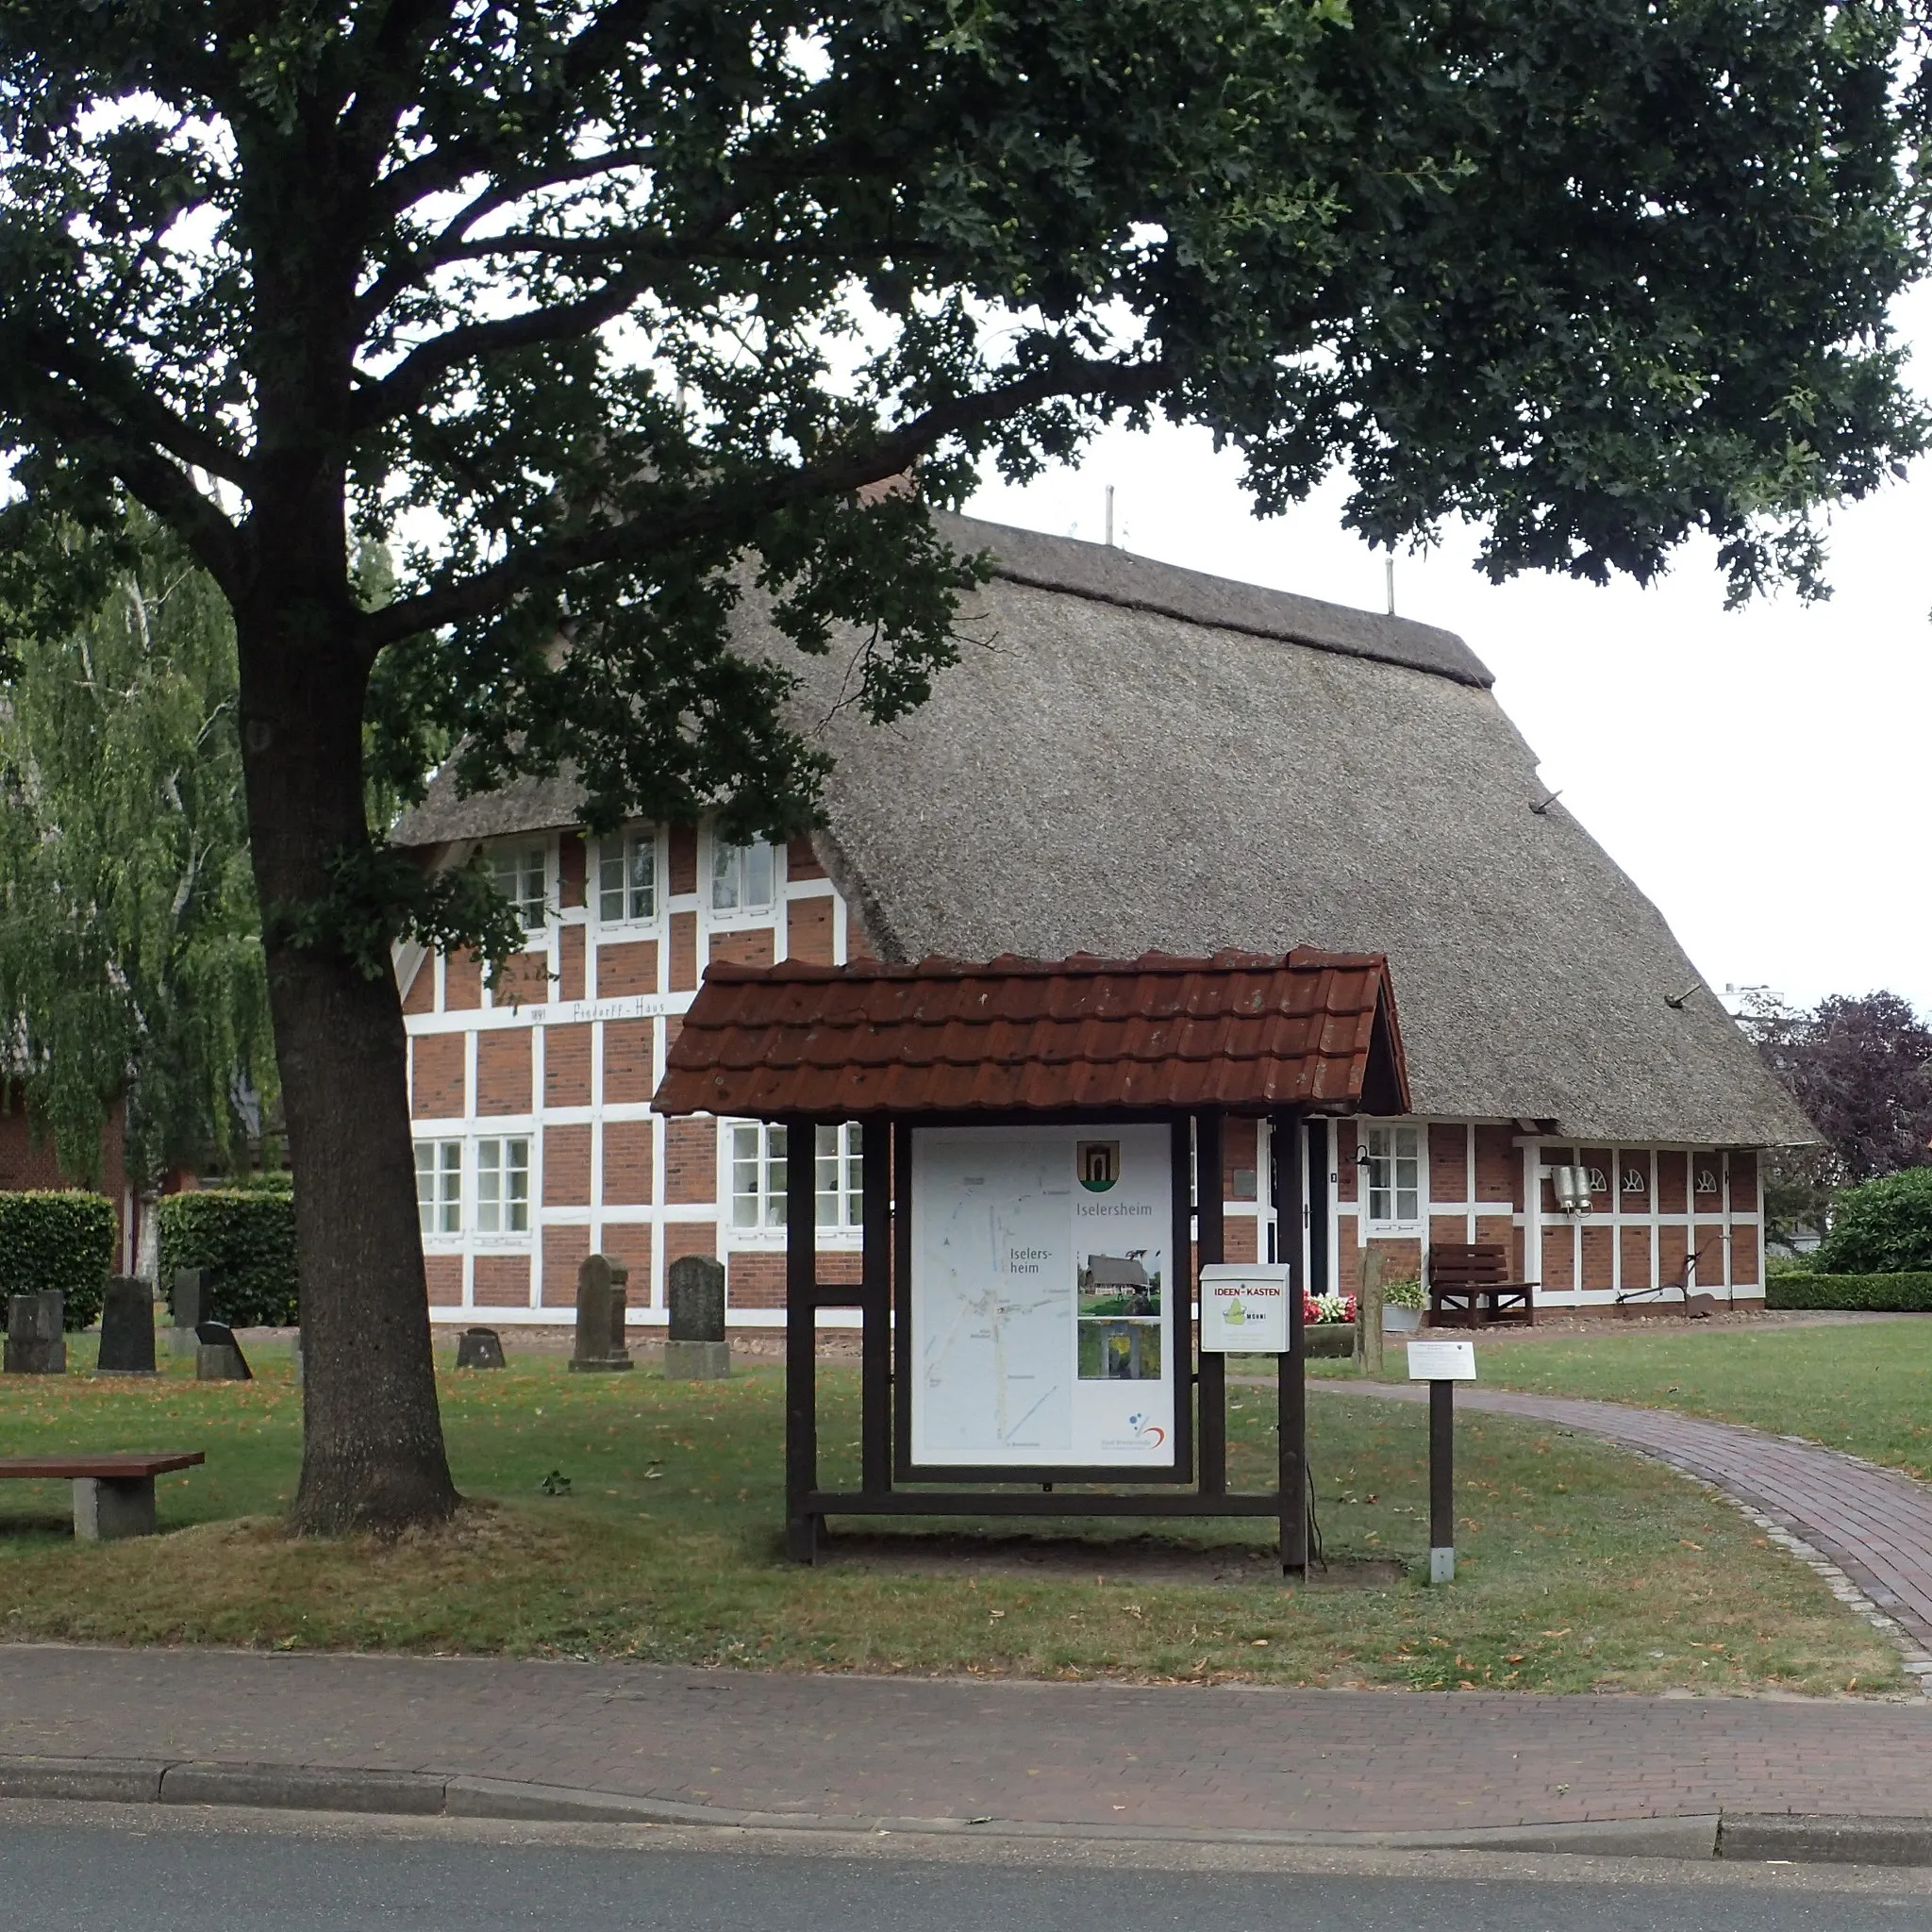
point(1401, 1321)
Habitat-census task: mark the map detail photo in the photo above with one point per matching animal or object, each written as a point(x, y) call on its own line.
point(1119, 1308)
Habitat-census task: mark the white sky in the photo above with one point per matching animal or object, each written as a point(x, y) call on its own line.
point(1762, 774)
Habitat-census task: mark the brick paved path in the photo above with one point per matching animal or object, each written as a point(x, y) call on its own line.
point(1050, 1754)
point(1875, 1524)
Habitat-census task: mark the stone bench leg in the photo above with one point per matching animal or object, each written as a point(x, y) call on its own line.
point(109, 1508)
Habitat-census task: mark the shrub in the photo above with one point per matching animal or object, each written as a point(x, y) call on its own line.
point(1881, 1228)
point(1892, 1295)
point(246, 1238)
point(1403, 1294)
point(62, 1239)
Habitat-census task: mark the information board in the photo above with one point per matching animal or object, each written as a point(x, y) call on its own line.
point(1043, 1297)
point(1441, 1362)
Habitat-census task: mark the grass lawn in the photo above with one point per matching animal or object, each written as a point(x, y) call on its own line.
point(1583, 1568)
point(1862, 1386)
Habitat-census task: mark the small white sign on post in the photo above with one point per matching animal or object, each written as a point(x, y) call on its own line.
point(1243, 1309)
point(1441, 1362)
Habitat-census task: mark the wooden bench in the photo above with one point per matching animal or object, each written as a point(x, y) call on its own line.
point(113, 1493)
point(1466, 1283)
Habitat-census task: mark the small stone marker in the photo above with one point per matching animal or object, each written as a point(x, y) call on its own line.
point(128, 1327)
point(218, 1356)
point(603, 1304)
point(36, 1339)
point(1368, 1316)
point(696, 1350)
point(187, 1308)
point(481, 1348)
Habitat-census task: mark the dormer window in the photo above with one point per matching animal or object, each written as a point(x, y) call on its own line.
point(518, 874)
point(627, 879)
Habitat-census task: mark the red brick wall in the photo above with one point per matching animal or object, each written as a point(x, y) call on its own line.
point(526, 980)
point(1498, 1166)
point(628, 1074)
point(684, 951)
point(1238, 1140)
point(690, 1160)
point(1708, 1168)
point(1710, 1238)
point(858, 945)
point(421, 997)
point(463, 982)
point(684, 858)
point(1598, 1257)
point(567, 1065)
point(1558, 1273)
point(687, 1237)
point(445, 1273)
point(570, 872)
point(1635, 1241)
point(564, 1249)
point(1401, 1261)
point(801, 861)
point(1496, 1231)
point(752, 946)
point(1669, 1254)
point(807, 932)
point(628, 1162)
point(1345, 1169)
point(570, 963)
point(1744, 1184)
point(1601, 1160)
point(1447, 1228)
point(755, 1281)
point(1744, 1248)
point(1671, 1187)
point(631, 1242)
point(566, 1167)
point(503, 1071)
point(1239, 1238)
point(1448, 1163)
point(437, 1065)
point(503, 1281)
point(1639, 1159)
point(631, 967)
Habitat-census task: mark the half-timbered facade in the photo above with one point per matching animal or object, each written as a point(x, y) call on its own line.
point(1139, 757)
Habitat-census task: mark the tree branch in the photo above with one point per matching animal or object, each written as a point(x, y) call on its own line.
point(487, 590)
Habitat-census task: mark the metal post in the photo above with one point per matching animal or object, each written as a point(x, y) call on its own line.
point(1211, 1376)
point(1441, 1482)
point(1292, 1400)
point(801, 1340)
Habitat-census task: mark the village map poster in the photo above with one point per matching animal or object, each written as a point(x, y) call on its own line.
point(1044, 1302)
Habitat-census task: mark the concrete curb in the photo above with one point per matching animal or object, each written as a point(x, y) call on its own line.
point(1797, 1837)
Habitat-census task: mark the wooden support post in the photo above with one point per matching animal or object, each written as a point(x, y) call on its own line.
point(875, 1338)
point(1211, 1376)
point(801, 1340)
point(1292, 1401)
point(1441, 1482)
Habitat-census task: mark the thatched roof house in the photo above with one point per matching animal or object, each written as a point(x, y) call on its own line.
point(1132, 756)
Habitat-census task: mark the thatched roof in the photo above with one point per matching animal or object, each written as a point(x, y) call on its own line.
point(1133, 757)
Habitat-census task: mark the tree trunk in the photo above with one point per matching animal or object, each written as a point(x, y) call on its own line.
point(372, 1447)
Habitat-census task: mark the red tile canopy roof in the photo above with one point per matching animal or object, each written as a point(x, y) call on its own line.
point(1242, 1032)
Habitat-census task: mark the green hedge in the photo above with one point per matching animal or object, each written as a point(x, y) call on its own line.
point(1881, 1228)
point(62, 1239)
point(1892, 1295)
point(248, 1238)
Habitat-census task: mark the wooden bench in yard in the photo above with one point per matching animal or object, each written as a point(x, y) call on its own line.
point(113, 1493)
point(1466, 1283)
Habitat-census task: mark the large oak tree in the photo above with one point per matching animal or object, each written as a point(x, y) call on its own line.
point(614, 306)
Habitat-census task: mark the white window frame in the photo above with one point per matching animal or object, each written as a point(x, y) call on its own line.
point(727, 863)
point(516, 861)
point(445, 1208)
point(1392, 1134)
point(497, 1198)
point(623, 849)
point(748, 1153)
point(839, 1159)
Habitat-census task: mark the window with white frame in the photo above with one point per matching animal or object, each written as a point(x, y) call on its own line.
point(743, 877)
point(1394, 1177)
point(440, 1186)
point(626, 877)
point(841, 1176)
point(758, 1176)
point(503, 1185)
point(517, 872)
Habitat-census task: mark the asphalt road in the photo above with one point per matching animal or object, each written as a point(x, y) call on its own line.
point(149, 1875)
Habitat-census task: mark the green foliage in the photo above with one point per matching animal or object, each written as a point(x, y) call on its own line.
point(246, 1236)
point(1403, 1294)
point(1907, 1293)
point(130, 963)
point(1880, 1227)
point(62, 1239)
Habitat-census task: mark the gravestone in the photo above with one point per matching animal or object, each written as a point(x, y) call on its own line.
point(188, 1308)
point(35, 1340)
point(696, 1350)
point(603, 1300)
point(481, 1348)
point(128, 1327)
point(218, 1356)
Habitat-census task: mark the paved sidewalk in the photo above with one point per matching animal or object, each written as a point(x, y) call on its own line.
point(1071, 1754)
point(1875, 1524)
